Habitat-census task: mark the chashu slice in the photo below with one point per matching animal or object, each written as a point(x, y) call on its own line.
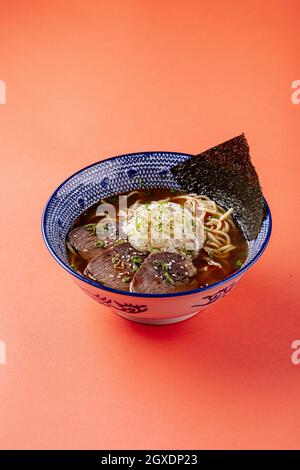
point(164, 273)
point(115, 266)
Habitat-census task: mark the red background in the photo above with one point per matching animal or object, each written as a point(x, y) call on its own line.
point(90, 79)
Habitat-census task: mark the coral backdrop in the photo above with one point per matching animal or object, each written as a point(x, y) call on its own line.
point(86, 80)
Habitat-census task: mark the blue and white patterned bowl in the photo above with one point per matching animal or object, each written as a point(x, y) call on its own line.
point(118, 175)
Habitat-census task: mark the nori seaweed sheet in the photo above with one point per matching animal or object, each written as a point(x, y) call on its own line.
point(226, 174)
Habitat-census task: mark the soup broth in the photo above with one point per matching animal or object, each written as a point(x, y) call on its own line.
point(222, 251)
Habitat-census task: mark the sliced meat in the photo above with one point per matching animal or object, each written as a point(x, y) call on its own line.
point(164, 273)
point(116, 265)
point(86, 242)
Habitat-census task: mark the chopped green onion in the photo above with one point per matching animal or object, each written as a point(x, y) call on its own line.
point(165, 270)
point(167, 276)
point(120, 241)
point(126, 279)
point(99, 243)
point(136, 262)
point(154, 250)
point(186, 251)
point(90, 227)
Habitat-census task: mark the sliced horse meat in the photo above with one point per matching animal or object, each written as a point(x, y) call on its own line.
point(163, 273)
point(115, 266)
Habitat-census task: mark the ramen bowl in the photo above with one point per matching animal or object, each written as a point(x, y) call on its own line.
point(122, 174)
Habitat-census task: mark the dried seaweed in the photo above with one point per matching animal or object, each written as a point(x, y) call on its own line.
point(226, 174)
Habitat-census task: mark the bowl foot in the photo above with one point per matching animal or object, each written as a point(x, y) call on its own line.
point(157, 321)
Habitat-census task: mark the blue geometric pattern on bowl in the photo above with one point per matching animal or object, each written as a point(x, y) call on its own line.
point(117, 175)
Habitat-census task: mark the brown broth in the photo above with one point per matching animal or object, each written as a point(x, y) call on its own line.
point(232, 263)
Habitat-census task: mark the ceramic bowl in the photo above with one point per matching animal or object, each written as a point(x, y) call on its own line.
point(118, 175)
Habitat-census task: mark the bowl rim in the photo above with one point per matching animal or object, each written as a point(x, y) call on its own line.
point(96, 284)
